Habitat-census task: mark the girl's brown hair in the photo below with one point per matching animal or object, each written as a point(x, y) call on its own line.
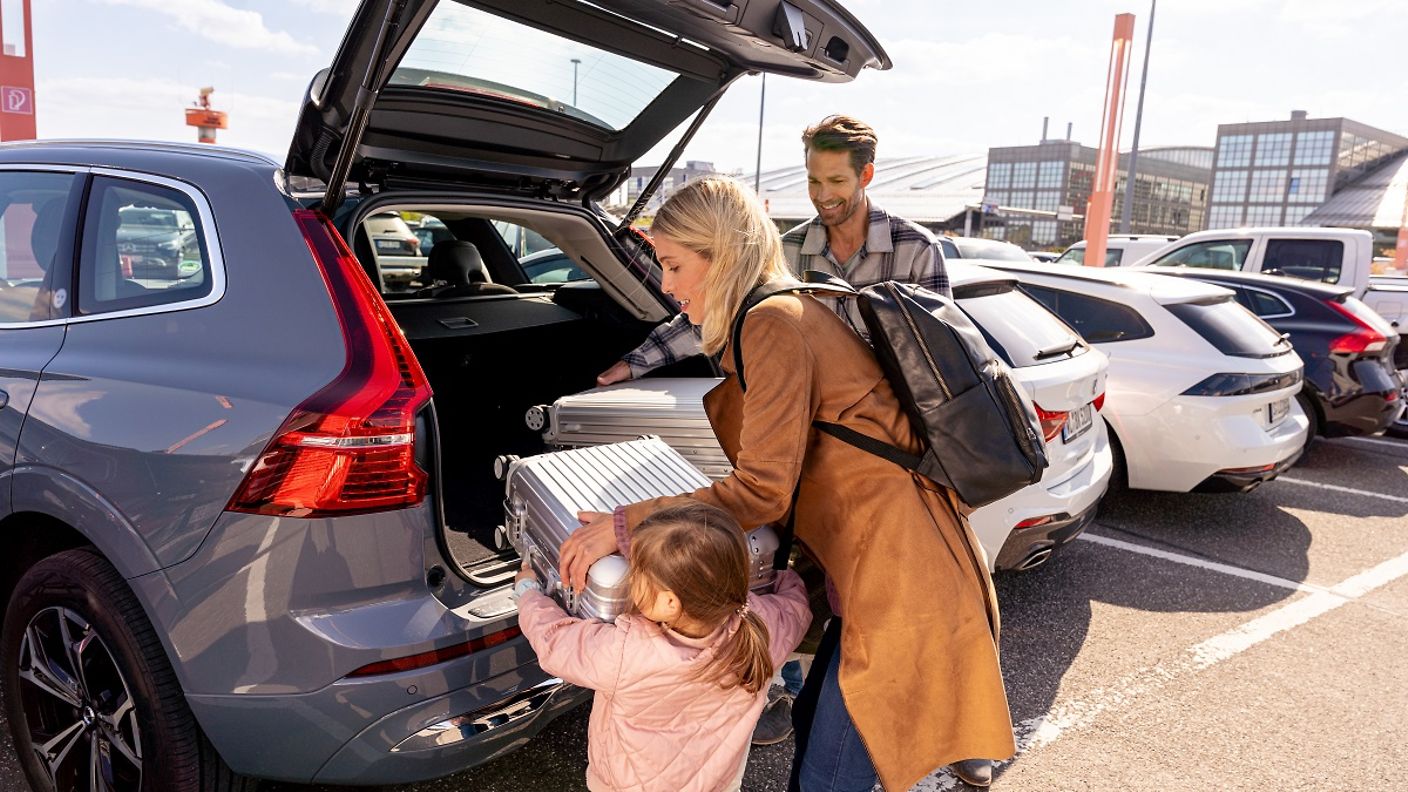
point(723, 221)
point(699, 552)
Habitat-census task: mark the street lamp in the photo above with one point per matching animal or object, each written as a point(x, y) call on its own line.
point(575, 63)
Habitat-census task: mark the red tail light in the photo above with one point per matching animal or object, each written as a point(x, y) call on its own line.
point(350, 448)
point(1051, 422)
point(437, 656)
point(1099, 401)
point(1363, 339)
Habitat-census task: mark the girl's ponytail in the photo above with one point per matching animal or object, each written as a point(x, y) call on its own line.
point(744, 659)
point(699, 552)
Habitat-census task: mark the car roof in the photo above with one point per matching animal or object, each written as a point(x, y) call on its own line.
point(965, 273)
point(1274, 282)
point(1161, 289)
point(55, 150)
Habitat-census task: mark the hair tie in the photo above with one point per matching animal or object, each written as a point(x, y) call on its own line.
point(743, 611)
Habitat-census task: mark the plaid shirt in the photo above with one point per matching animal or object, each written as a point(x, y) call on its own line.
point(894, 250)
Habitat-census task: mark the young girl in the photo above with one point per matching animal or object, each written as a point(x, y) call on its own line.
point(681, 680)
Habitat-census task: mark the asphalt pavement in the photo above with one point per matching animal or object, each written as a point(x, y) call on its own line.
point(1249, 641)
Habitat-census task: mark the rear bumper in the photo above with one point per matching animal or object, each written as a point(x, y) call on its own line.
point(1246, 480)
point(1028, 548)
point(1365, 412)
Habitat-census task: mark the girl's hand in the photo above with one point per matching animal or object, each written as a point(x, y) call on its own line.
point(525, 573)
point(596, 539)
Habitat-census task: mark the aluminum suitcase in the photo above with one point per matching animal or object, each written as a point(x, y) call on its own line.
point(671, 409)
point(545, 492)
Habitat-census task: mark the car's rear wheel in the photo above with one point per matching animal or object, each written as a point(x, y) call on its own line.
point(1399, 427)
point(1307, 405)
point(91, 700)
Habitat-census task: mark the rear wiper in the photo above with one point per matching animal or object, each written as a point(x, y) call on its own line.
point(1056, 350)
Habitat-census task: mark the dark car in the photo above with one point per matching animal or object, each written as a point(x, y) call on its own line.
point(248, 514)
point(1352, 385)
point(154, 241)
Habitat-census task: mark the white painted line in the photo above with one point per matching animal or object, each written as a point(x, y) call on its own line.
point(1349, 490)
point(1398, 444)
point(1037, 732)
point(1201, 563)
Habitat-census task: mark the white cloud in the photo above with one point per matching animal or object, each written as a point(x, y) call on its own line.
point(341, 7)
point(218, 22)
point(149, 109)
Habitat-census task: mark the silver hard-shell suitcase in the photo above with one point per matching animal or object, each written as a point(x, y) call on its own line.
point(669, 408)
point(545, 492)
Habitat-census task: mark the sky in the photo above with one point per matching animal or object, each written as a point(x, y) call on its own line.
point(966, 75)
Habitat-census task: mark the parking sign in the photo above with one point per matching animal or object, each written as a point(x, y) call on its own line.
point(16, 100)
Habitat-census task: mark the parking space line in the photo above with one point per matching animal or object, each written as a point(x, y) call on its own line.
point(1396, 444)
point(1202, 563)
point(1338, 488)
point(1042, 730)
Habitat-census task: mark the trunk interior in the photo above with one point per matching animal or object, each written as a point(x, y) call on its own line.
point(490, 356)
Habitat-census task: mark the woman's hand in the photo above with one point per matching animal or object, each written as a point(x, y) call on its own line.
point(596, 539)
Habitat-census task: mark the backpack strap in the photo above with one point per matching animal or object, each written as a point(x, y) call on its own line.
point(832, 285)
point(865, 442)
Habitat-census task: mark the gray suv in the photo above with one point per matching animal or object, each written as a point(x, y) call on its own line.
point(249, 511)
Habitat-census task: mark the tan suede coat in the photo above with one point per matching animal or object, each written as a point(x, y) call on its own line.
point(919, 661)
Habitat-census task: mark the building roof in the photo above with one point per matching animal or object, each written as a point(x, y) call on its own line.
point(1374, 200)
point(921, 189)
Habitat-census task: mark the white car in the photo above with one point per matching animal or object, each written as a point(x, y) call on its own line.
point(1065, 378)
point(1121, 250)
point(1201, 392)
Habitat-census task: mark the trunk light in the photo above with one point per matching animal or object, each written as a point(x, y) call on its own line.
point(1051, 422)
point(350, 447)
point(1362, 340)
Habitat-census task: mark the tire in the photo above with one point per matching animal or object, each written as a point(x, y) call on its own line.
point(1307, 405)
point(124, 714)
point(1119, 473)
point(1399, 427)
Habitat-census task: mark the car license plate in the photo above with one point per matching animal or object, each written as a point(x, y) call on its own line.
point(1278, 410)
point(390, 244)
point(1077, 423)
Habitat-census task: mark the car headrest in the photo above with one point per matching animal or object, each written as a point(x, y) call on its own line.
point(44, 234)
point(456, 262)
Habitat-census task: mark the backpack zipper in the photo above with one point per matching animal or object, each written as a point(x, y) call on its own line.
point(914, 331)
point(1015, 405)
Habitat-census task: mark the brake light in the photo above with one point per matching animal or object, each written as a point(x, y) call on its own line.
point(1243, 384)
point(1034, 522)
point(1051, 422)
point(1363, 339)
point(1099, 401)
point(437, 656)
point(350, 447)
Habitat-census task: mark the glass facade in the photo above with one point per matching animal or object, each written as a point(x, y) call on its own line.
point(1277, 172)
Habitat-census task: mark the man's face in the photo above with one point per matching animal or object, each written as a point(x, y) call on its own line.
point(836, 190)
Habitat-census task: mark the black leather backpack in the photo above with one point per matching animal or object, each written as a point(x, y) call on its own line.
point(979, 428)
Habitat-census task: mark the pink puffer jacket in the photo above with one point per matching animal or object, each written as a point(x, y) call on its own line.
point(654, 728)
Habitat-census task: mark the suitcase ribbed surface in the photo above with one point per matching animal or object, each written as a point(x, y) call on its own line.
point(671, 409)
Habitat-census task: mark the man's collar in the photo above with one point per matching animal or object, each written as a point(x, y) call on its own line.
point(877, 233)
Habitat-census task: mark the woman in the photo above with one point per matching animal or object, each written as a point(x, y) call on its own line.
point(916, 683)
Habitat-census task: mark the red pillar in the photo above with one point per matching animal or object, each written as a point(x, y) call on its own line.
point(16, 71)
point(1097, 212)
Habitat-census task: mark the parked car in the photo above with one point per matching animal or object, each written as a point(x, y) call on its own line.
point(1065, 379)
point(979, 248)
point(1352, 386)
point(152, 242)
point(1121, 250)
point(241, 536)
point(1044, 256)
point(1201, 393)
point(1338, 256)
point(551, 266)
point(430, 231)
point(396, 249)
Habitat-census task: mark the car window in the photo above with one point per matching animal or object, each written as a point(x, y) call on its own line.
point(32, 230)
point(1231, 328)
point(541, 260)
point(1098, 321)
point(990, 249)
point(1224, 254)
point(1308, 259)
point(143, 245)
point(950, 249)
point(1025, 333)
point(1077, 256)
point(1263, 304)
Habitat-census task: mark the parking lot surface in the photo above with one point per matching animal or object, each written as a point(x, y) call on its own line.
point(1255, 641)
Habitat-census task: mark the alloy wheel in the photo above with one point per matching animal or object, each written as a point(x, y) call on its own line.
point(78, 707)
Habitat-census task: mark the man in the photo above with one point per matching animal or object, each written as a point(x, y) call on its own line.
point(854, 239)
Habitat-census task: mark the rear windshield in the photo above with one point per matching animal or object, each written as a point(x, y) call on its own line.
point(1232, 329)
point(1018, 327)
point(987, 249)
point(466, 50)
point(1077, 256)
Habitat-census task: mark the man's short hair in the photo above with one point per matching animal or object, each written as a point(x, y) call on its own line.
point(842, 133)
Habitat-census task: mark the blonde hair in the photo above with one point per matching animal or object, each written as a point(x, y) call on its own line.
point(723, 221)
point(699, 552)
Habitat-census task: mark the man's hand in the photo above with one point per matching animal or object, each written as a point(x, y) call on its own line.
point(617, 373)
point(595, 540)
